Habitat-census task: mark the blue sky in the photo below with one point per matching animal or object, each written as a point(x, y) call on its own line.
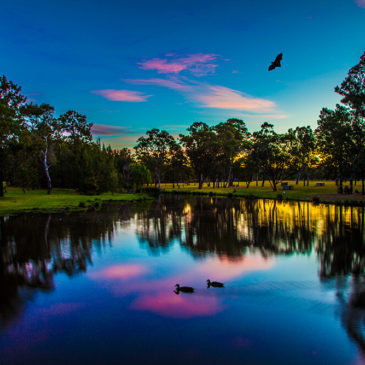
point(133, 66)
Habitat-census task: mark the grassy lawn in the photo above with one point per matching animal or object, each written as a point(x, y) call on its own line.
point(326, 193)
point(15, 201)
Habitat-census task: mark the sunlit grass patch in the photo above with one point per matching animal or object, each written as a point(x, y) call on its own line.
point(15, 201)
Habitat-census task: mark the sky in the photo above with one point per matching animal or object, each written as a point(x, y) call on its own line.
point(131, 66)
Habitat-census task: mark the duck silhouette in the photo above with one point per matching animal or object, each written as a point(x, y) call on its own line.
point(214, 284)
point(183, 289)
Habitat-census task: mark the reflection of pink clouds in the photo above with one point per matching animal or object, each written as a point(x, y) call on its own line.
point(177, 306)
point(223, 269)
point(125, 271)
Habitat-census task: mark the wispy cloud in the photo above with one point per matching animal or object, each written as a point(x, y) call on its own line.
point(211, 96)
point(107, 130)
point(198, 64)
point(221, 97)
point(122, 95)
point(361, 3)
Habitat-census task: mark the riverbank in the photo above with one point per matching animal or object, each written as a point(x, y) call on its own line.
point(320, 194)
point(61, 200)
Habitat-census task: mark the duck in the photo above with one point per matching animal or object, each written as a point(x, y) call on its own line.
point(214, 284)
point(184, 289)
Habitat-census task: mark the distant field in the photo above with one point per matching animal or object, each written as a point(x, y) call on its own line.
point(15, 201)
point(326, 193)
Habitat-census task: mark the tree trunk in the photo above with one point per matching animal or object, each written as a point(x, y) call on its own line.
point(274, 185)
point(340, 188)
point(46, 171)
point(201, 181)
point(230, 182)
point(363, 186)
point(263, 182)
point(2, 165)
point(297, 179)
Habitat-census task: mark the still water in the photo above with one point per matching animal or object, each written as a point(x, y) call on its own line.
point(98, 287)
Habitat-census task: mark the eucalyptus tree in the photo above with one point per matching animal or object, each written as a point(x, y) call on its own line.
point(270, 153)
point(302, 143)
point(75, 127)
point(233, 139)
point(154, 151)
point(11, 121)
point(45, 130)
point(335, 141)
point(202, 147)
point(353, 88)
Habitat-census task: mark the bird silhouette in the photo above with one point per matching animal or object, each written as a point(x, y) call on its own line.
point(183, 289)
point(214, 284)
point(277, 61)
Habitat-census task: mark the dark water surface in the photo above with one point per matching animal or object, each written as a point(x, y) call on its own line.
point(97, 287)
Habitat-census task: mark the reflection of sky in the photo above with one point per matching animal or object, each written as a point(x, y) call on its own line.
point(272, 309)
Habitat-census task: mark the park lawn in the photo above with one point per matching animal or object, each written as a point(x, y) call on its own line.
point(15, 201)
point(327, 193)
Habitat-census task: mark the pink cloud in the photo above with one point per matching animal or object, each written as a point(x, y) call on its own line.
point(211, 96)
point(178, 306)
point(361, 3)
point(107, 130)
point(120, 272)
point(198, 64)
point(221, 97)
point(122, 95)
point(171, 84)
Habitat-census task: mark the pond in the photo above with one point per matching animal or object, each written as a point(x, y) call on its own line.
point(99, 287)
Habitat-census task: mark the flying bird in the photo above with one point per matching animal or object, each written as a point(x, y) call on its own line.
point(277, 61)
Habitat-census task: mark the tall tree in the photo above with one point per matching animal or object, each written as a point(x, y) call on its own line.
point(233, 138)
point(302, 143)
point(335, 140)
point(154, 151)
point(353, 88)
point(11, 121)
point(201, 145)
point(270, 152)
point(45, 130)
point(76, 127)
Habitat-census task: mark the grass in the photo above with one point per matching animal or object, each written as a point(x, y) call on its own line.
point(326, 193)
point(15, 201)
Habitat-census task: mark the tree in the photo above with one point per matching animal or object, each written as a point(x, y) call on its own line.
point(233, 138)
point(45, 130)
point(270, 152)
point(353, 88)
point(154, 151)
point(76, 127)
point(11, 121)
point(335, 140)
point(201, 145)
point(139, 175)
point(302, 143)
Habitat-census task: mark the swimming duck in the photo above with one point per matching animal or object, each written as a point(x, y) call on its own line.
point(184, 289)
point(214, 284)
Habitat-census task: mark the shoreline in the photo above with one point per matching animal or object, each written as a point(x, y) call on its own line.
point(60, 201)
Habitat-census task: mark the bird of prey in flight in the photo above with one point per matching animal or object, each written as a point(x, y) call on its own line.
point(277, 61)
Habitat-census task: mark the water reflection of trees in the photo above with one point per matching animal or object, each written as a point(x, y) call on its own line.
point(34, 248)
point(234, 227)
